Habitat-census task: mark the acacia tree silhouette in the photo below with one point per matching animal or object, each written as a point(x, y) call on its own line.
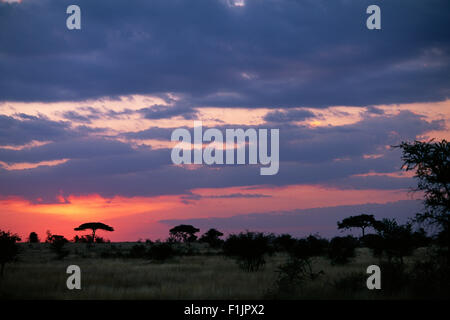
point(94, 226)
point(361, 221)
point(431, 163)
point(184, 232)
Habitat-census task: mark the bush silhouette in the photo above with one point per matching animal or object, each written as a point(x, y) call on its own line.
point(397, 240)
point(394, 277)
point(430, 278)
point(341, 249)
point(298, 268)
point(248, 249)
point(420, 238)
point(83, 239)
point(158, 251)
point(284, 242)
point(375, 242)
point(212, 237)
point(8, 248)
point(33, 238)
point(292, 275)
point(57, 244)
point(161, 251)
point(138, 251)
point(317, 245)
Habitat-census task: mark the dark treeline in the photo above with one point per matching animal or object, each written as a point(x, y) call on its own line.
point(387, 240)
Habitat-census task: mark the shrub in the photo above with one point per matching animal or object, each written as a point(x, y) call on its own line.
point(374, 242)
point(158, 251)
point(33, 238)
point(394, 277)
point(138, 251)
point(341, 249)
point(298, 268)
point(161, 251)
point(294, 273)
point(311, 246)
point(397, 240)
point(8, 248)
point(57, 244)
point(430, 278)
point(284, 242)
point(212, 237)
point(248, 249)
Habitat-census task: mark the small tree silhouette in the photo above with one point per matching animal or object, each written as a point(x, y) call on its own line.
point(184, 233)
point(212, 237)
point(8, 248)
point(94, 226)
point(361, 221)
point(33, 238)
point(397, 240)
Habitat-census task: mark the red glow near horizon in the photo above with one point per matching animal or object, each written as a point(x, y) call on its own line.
point(135, 218)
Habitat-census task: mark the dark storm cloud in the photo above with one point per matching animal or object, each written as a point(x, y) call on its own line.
point(288, 115)
point(77, 117)
point(164, 112)
point(371, 135)
point(300, 143)
point(74, 148)
point(154, 112)
point(332, 156)
point(14, 131)
point(268, 53)
point(150, 133)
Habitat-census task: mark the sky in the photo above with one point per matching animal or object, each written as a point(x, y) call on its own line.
point(86, 115)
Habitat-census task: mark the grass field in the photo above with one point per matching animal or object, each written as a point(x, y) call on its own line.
point(205, 274)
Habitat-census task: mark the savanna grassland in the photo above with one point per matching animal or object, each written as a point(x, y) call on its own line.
point(203, 273)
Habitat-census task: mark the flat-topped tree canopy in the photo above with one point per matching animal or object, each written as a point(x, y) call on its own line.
point(94, 226)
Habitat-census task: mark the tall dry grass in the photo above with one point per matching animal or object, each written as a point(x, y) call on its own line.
point(206, 275)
